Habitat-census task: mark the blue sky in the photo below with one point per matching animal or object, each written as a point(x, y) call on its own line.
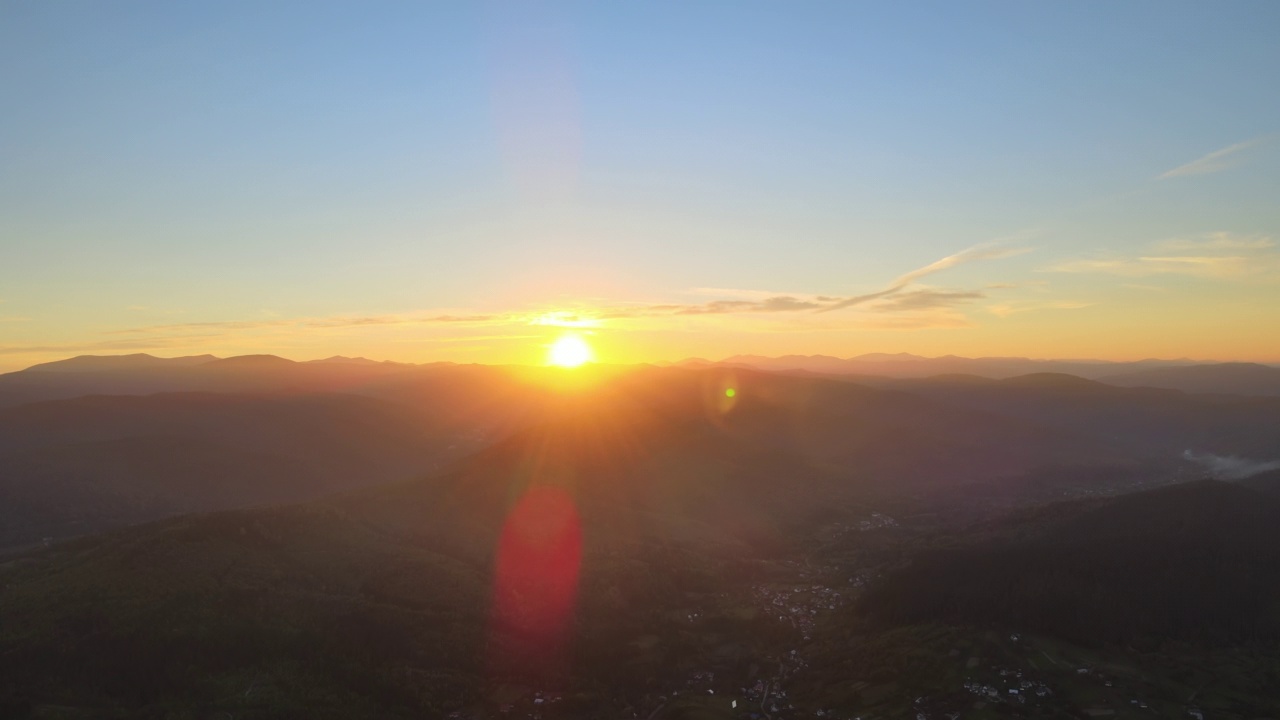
point(231, 177)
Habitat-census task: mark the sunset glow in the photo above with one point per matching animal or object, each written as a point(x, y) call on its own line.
point(544, 184)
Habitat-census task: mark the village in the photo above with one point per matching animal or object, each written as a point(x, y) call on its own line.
point(797, 605)
point(816, 589)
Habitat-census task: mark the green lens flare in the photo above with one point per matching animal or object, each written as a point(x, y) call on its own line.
point(730, 392)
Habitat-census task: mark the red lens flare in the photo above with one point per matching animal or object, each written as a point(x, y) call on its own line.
point(536, 582)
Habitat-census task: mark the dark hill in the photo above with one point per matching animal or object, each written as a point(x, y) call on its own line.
point(1219, 378)
point(87, 487)
point(1145, 422)
point(70, 467)
point(664, 494)
point(146, 375)
point(1265, 481)
point(669, 447)
point(1195, 562)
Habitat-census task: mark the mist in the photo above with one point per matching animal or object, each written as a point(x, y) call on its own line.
point(1231, 467)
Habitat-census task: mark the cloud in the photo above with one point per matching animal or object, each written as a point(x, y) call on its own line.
point(1218, 241)
point(894, 299)
point(716, 307)
point(781, 303)
point(767, 304)
point(1216, 161)
point(986, 251)
point(1214, 256)
point(564, 318)
point(1231, 467)
point(926, 300)
point(1192, 265)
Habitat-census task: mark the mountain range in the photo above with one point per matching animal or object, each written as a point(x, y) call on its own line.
point(1189, 376)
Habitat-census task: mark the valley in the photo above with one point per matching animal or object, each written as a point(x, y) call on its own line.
point(647, 546)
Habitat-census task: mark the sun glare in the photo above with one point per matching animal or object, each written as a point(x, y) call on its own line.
point(569, 351)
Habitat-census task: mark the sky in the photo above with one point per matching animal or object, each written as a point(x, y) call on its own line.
point(466, 182)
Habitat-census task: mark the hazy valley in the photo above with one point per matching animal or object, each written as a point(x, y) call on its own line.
point(689, 542)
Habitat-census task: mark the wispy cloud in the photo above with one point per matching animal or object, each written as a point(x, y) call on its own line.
point(926, 300)
point(1215, 256)
point(973, 254)
point(561, 318)
point(897, 297)
point(776, 304)
point(1204, 266)
point(780, 303)
point(1218, 241)
point(1216, 161)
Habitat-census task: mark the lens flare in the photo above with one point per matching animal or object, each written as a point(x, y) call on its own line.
point(536, 581)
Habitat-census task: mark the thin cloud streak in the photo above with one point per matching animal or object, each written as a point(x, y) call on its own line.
point(1195, 266)
point(1218, 241)
point(1216, 161)
point(926, 300)
point(1218, 255)
point(894, 297)
point(973, 254)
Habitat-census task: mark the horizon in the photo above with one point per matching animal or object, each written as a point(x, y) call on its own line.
point(468, 183)
point(729, 360)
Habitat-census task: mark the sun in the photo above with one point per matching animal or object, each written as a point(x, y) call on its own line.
point(569, 351)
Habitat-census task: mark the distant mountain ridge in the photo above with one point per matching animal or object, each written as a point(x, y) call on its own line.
point(908, 365)
point(136, 361)
point(1219, 378)
point(1229, 378)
